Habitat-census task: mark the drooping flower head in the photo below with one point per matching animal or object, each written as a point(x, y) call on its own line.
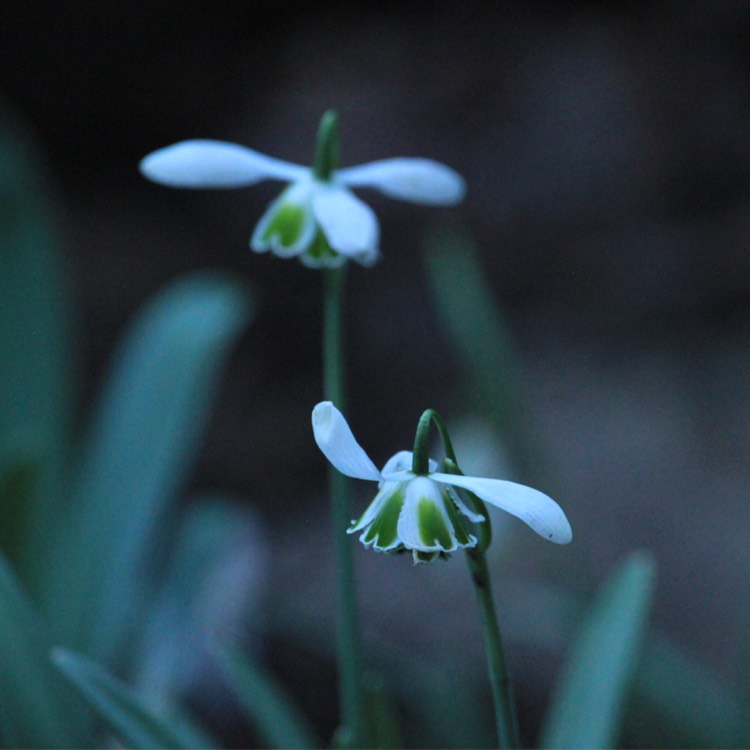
point(316, 218)
point(423, 510)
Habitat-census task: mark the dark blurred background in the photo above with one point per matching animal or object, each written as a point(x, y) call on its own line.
point(606, 147)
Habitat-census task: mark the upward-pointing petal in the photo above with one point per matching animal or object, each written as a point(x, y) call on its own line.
point(415, 180)
point(339, 446)
point(535, 508)
point(215, 164)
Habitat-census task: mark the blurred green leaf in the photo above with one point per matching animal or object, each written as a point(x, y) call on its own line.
point(211, 587)
point(591, 695)
point(19, 484)
point(481, 340)
point(264, 702)
point(144, 436)
point(34, 710)
point(446, 704)
point(382, 712)
point(677, 703)
point(36, 390)
point(130, 718)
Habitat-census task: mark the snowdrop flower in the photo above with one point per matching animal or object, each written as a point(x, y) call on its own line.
point(316, 218)
point(424, 513)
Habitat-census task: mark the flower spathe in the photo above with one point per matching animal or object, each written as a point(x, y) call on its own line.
point(425, 513)
point(320, 221)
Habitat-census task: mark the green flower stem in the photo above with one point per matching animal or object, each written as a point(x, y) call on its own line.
point(351, 733)
point(327, 148)
point(506, 719)
point(421, 455)
point(502, 690)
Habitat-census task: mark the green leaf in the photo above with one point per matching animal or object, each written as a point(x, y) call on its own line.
point(210, 589)
point(36, 391)
point(34, 710)
point(382, 712)
point(19, 484)
point(482, 341)
point(278, 721)
point(144, 436)
point(591, 695)
point(135, 723)
point(677, 702)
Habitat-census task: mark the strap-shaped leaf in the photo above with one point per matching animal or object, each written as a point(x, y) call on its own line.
point(679, 702)
point(265, 704)
point(19, 488)
point(127, 714)
point(143, 439)
point(382, 712)
point(34, 710)
point(35, 342)
point(590, 698)
point(211, 588)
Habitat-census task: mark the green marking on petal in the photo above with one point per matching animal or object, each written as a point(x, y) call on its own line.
point(428, 557)
point(320, 254)
point(286, 225)
point(433, 529)
point(382, 531)
point(462, 535)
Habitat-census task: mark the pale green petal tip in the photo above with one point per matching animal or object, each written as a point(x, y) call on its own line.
point(320, 254)
point(420, 557)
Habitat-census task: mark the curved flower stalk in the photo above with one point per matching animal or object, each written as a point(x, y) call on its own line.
point(424, 512)
point(316, 218)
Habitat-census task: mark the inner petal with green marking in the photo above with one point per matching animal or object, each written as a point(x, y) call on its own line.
point(286, 226)
point(320, 254)
point(382, 532)
point(433, 525)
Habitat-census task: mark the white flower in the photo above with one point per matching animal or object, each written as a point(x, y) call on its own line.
point(323, 222)
point(424, 513)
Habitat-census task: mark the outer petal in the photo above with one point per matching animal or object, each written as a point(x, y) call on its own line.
point(215, 164)
point(335, 439)
point(415, 180)
point(287, 228)
point(535, 508)
point(350, 226)
point(398, 467)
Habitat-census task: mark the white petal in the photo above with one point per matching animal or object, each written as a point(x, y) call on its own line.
point(381, 499)
point(415, 180)
point(215, 164)
point(335, 439)
point(463, 508)
point(350, 226)
point(402, 462)
point(287, 228)
point(535, 508)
